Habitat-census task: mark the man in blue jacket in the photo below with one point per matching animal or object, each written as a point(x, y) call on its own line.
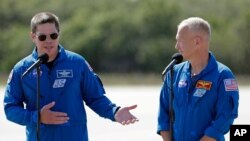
point(67, 81)
point(205, 92)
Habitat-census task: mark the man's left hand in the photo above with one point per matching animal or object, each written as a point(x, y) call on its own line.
point(124, 116)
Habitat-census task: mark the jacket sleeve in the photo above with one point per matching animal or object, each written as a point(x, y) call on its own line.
point(14, 107)
point(226, 107)
point(93, 94)
point(163, 113)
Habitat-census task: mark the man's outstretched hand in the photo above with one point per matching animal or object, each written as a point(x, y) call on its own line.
point(124, 116)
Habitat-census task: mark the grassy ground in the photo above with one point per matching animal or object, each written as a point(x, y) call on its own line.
point(136, 79)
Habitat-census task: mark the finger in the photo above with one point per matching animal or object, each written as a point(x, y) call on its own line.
point(132, 120)
point(135, 120)
point(128, 122)
point(123, 122)
point(59, 114)
point(59, 122)
point(132, 107)
point(61, 119)
point(50, 105)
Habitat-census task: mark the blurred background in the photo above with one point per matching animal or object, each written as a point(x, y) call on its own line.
point(127, 42)
point(135, 38)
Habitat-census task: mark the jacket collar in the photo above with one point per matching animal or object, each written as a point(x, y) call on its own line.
point(212, 63)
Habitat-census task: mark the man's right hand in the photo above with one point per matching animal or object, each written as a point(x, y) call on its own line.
point(51, 117)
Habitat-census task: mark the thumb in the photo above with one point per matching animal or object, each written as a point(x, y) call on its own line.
point(50, 105)
point(132, 107)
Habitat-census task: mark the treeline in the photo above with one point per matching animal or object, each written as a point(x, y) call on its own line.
point(127, 35)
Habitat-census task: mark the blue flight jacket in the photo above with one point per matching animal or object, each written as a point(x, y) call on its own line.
point(206, 104)
point(69, 83)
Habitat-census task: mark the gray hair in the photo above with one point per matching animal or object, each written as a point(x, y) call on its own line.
point(196, 24)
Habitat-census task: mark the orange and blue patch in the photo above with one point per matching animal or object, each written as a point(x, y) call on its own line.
point(201, 84)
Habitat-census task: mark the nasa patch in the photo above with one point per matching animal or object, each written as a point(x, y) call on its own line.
point(34, 73)
point(182, 83)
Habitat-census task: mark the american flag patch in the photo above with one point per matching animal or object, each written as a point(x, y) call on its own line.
point(231, 85)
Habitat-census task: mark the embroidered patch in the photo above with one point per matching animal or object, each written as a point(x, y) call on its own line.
point(199, 92)
point(64, 73)
point(182, 83)
point(10, 76)
point(231, 85)
point(34, 73)
point(59, 83)
point(201, 84)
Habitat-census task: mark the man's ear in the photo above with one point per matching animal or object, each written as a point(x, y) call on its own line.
point(32, 36)
point(197, 40)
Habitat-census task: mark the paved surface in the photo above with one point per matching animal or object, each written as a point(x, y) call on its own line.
point(146, 97)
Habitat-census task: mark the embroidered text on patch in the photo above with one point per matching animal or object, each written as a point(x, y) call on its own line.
point(231, 85)
point(59, 83)
point(64, 73)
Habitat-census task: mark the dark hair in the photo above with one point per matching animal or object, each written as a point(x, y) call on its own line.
point(42, 18)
